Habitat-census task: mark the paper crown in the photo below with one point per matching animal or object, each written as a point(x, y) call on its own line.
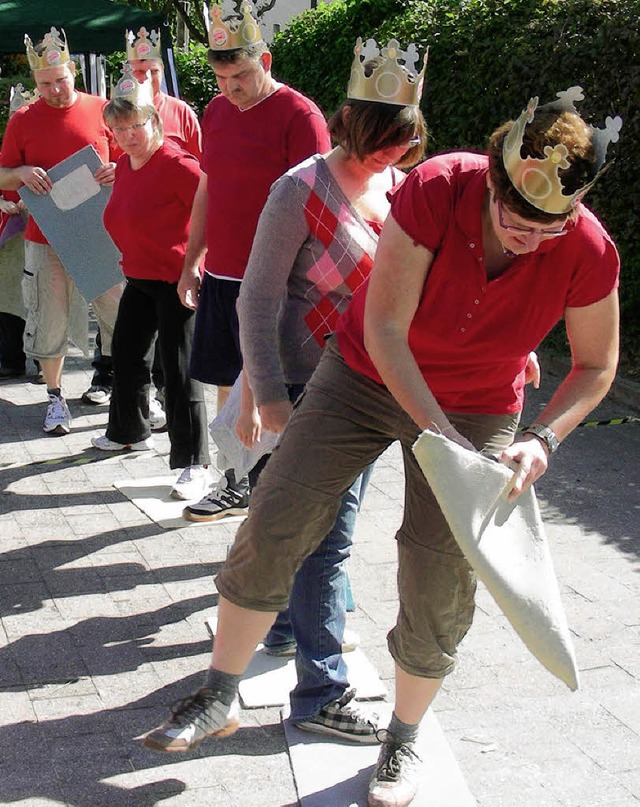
point(144, 45)
point(129, 88)
point(395, 78)
point(537, 179)
point(19, 97)
point(52, 52)
point(228, 31)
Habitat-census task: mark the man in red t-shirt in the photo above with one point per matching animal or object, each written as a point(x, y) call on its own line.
point(38, 136)
point(179, 121)
point(253, 132)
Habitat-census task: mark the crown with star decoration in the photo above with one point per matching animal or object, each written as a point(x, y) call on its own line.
point(228, 31)
point(51, 52)
point(129, 88)
point(537, 179)
point(394, 80)
point(19, 97)
point(143, 45)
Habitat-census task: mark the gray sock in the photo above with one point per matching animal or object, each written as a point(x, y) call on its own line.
point(403, 732)
point(225, 683)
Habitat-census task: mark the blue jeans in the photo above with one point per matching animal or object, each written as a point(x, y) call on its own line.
point(315, 618)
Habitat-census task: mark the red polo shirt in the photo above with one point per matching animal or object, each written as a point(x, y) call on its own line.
point(470, 336)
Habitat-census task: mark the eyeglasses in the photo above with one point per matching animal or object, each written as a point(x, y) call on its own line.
point(414, 141)
point(528, 230)
point(134, 127)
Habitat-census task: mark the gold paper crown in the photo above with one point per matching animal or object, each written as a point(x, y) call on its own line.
point(537, 179)
point(233, 32)
point(146, 45)
point(390, 82)
point(20, 97)
point(52, 52)
point(129, 88)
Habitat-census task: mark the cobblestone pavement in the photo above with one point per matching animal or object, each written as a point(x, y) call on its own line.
point(102, 629)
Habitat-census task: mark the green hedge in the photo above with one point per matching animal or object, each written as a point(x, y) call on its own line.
point(486, 58)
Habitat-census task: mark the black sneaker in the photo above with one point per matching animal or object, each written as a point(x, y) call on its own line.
point(222, 501)
point(200, 715)
point(345, 719)
point(395, 779)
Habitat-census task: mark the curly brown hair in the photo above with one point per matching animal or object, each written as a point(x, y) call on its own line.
point(548, 128)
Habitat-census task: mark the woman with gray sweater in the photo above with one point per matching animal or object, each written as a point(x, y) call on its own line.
point(314, 246)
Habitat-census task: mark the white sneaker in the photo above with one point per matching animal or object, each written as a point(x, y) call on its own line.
point(104, 444)
point(58, 418)
point(193, 483)
point(157, 415)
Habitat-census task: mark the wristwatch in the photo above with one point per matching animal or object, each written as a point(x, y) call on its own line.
point(546, 434)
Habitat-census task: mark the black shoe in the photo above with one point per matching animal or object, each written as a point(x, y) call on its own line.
point(12, 372)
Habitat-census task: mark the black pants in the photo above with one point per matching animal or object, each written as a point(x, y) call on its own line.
point(103, 367)
point(12, 355)
point(147, 307)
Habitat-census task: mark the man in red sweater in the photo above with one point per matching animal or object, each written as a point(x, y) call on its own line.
point(253, 132)
point(38, 136)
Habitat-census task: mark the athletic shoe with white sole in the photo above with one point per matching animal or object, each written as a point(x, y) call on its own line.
point(222, 501)
point(157, 416)
point(200, 715)
point(105, 444)
point(96, 395)
point(57, 420)
point(346, 720)
point(193, 483)
point(395, 779)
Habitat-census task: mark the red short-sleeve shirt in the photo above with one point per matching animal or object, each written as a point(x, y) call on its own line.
point(244, 152)
point(471, 336)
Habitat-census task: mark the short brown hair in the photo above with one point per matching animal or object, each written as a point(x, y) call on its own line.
point(120, 109)
point(369, 126)
point(548, 128)
point(215, 57)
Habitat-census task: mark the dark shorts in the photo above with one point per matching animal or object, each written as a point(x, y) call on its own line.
point(215, 355)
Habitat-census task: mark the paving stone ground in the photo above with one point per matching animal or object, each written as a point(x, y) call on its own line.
point(102, 628)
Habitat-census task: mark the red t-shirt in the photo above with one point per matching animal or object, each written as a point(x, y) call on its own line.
point(470, 336)
point(42, 135)
point(179, 123)
point(243, 155)
point(149, 211)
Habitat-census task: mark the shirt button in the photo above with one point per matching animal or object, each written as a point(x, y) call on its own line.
point(468, 316)
point(463, 330)
point(472, 245)
point(476, 302)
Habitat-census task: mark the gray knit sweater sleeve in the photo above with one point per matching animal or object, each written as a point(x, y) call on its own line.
point(281, 233)
point(311, 252)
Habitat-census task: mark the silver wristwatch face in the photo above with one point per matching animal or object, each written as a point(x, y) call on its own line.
point(546, 434)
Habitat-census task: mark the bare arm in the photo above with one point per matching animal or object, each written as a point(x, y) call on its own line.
point(395, 289)
point(189, 284)
point(248, 426)
point(593, 337)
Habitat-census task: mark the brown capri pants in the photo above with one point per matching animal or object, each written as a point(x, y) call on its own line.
point(342, 423)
